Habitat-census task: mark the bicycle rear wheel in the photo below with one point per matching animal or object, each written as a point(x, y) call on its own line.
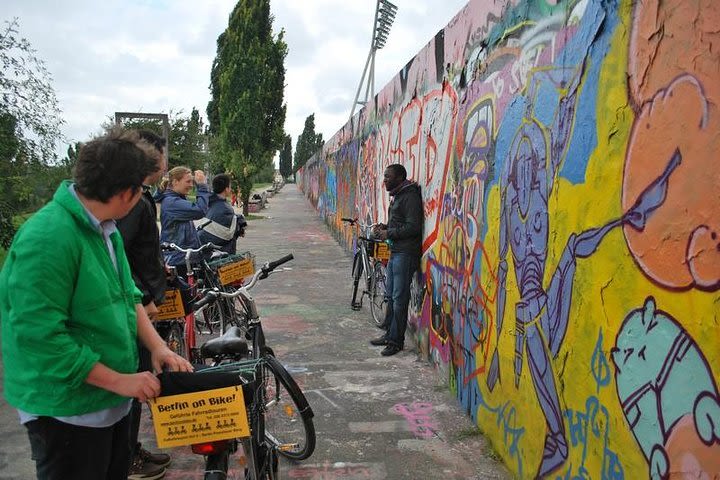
point(288, 417)
point(357, 270)
point(378, 299)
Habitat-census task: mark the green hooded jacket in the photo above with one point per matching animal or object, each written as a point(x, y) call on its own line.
point(63, 308)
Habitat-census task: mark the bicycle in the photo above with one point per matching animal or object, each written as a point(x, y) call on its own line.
point(369, 263)
point(280, 415)
point(182, 339)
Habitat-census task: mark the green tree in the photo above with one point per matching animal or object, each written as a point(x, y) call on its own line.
point(308, 143)
point(29, 127)
point(247, 83)
point(286, 157)
point(27, 95)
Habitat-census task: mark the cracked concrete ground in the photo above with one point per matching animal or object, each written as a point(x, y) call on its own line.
point(376, 417)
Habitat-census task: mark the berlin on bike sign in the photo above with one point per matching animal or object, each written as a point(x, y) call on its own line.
point(199, 417)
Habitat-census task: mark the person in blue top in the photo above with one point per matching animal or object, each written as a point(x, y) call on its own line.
point(222, 226)
point(177, 213)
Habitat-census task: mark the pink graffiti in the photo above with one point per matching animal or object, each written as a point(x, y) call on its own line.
point(420, 136)
point(418, 416)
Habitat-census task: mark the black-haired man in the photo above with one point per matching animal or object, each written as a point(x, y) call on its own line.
point(71, 316)
point(141, 237)
point(404, 231)
point(222, 226)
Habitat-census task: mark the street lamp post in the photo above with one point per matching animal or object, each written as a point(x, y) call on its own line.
point(384, 17)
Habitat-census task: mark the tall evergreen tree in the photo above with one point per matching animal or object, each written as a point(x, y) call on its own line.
point(286, 157)
point(308, 143)
point(247, 85)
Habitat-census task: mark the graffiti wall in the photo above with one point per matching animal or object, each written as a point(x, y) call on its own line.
point(569, 157)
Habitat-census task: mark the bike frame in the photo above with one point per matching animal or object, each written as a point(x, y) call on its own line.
point(190, 339)
point(363, 241)
point(259, 350)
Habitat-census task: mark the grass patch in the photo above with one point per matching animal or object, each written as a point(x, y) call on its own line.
point(470, 432)
point(492, 453)
point(251, 216)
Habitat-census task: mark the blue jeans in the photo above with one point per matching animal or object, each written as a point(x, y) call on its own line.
point(62, 451)
point(400, 270)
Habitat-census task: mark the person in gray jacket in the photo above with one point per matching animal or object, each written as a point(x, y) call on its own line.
point(404, 231)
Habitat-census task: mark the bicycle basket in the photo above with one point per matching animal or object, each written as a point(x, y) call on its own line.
point(234, 268)
point(381, 250)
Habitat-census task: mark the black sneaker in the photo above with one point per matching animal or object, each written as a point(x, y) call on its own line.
point(142, 470)
point(379, 341)
point(160, 459)
point(390, 350)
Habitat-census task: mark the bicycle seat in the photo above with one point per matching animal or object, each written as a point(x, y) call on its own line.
point(232, 342)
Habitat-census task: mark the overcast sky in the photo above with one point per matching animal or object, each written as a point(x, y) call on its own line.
point(154, 56)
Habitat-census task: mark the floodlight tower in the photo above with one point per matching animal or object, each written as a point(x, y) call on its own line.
point(384, 17)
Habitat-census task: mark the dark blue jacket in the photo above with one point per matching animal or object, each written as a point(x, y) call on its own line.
point(222, 226)
point(176, 220)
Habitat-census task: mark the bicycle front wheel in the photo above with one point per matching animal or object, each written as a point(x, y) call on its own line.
point(288, 417)
point(357, 271)
point(378, 294)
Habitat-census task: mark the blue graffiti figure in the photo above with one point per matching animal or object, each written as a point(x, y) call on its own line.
point(662, 378)
point(542, 314)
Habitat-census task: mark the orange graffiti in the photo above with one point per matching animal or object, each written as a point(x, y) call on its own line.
point(674, 82)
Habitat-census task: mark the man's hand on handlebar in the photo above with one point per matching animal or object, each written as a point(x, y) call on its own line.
point(380, 231)
point(165, 359)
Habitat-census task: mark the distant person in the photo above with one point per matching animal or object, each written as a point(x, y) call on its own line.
point(404, 230)
point(141, 238)
point(71, 316)
point(177, 213)
point(223, 226)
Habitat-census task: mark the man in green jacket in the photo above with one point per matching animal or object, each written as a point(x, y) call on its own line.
point(71, 315)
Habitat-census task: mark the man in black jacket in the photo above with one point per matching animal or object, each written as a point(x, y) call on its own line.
point(141, 238)
point(222, 226)
point(404, 232)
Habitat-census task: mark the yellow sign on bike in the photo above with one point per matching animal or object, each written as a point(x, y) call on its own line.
point(236, 271)
point(382, 251)
point(200, 417)
point(172, 307)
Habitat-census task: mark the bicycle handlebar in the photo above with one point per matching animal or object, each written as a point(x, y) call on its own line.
point(203, 248)
point(273, 265)
point(210, 297)
point(355, 221)
point(262, 273)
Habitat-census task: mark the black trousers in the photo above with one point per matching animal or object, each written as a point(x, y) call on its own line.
point(136, 409)
point(62, 451)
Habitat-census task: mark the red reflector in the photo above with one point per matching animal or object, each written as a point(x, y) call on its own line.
point(210, 448)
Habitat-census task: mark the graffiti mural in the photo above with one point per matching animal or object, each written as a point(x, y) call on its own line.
point(676, 421)
point(568, 154)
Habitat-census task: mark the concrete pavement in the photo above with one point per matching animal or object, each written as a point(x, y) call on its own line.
point(376, 417)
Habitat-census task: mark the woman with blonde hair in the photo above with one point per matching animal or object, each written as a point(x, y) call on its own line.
point(177, 212)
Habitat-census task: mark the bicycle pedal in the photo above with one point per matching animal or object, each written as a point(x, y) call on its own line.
point(356, 306)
